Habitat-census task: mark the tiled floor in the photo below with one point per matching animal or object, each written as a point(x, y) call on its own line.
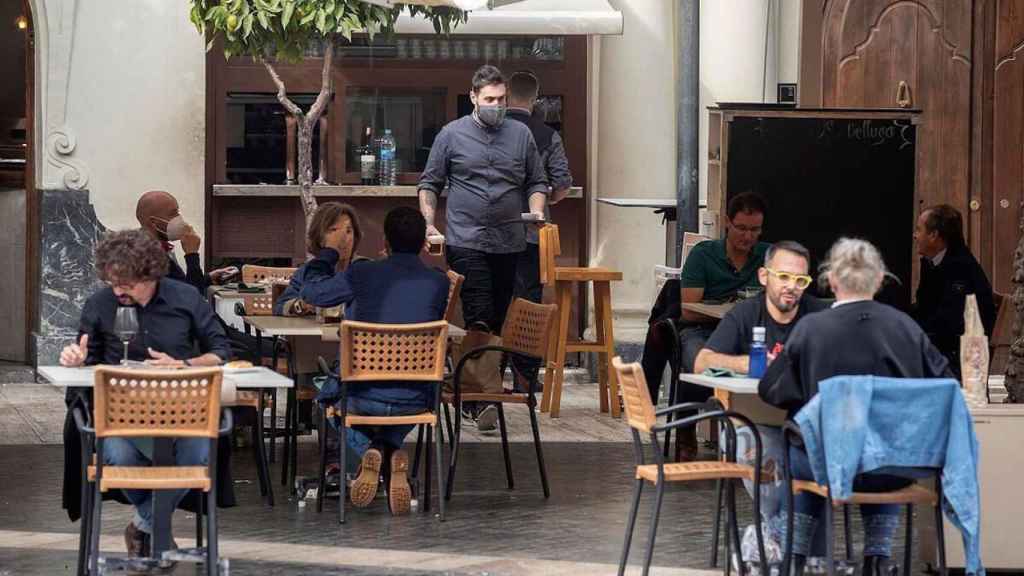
point(490, 530)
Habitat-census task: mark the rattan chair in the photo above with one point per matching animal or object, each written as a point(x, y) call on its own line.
point(909, 496)
point(160, 404)
point(412, 353)
point(642, 418)
point(526, 332)
point(252, 274)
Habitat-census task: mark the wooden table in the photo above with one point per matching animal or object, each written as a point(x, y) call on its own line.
point(739, 394)
point(712, 310)
point(163, 448)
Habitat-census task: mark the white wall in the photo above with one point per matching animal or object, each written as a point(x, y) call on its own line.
point(636, 126)
point(136, 101)
point(636, 153)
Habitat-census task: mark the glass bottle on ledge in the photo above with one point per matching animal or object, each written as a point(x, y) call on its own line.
point(367, 159)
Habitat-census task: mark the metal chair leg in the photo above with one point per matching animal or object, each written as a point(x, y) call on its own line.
point(342, 449)
point(830, 555)
point(84, 534)
point(940, 534)
point(293, 462)
point(199, 519)
point(504, 446)
point(426, 470)
point(321, 484)
point(260, 454)
point(908, 540)
point(448, 424)
point(531, 406)
point(653, 530)
point(630, 524)
point(440, 474)
point(717, 524)
point(273, 425)
point(212, 560)
point(416, 455)
point(95, 524)
point(734, 533)
point(456, 442)
point(847, 539)
point(289, 406)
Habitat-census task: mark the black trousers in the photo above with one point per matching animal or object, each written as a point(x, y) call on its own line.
point(528, 287)
point(488, 287)
point(660, 347)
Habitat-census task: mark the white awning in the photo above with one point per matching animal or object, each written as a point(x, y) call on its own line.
point(532, 17)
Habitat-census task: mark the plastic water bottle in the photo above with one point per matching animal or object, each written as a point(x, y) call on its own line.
point(758, 353)
point(387, 168)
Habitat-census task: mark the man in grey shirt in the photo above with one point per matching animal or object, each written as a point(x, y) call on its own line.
point(523, 89)
point(491, 168)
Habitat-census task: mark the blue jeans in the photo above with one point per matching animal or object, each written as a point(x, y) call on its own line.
point(360, 438)
point(131, 452)
point(880, 520)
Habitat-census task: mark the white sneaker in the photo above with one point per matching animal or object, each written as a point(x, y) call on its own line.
point(487, 419)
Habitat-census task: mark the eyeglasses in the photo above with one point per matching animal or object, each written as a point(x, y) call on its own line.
point(799, 280)
point(123, 286)
point(747, 229)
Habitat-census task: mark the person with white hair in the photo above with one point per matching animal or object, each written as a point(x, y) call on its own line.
point(857, 336)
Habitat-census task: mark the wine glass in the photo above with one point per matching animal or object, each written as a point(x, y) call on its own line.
point(126, 325)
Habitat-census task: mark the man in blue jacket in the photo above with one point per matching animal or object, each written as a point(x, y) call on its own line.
point(399, 289)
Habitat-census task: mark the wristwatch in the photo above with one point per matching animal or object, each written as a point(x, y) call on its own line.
point(297, 307)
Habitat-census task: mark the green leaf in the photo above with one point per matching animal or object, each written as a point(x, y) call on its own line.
point(308, 18)
point(247, 26)
point(321, 21)
point(262, 17)
point(286, 16)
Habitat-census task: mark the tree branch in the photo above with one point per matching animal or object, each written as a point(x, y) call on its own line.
point(282, 93)
point(313, 116)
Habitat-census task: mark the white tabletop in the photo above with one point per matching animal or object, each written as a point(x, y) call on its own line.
point(640, 202)
point(285, 325)
point(255, 377)
point(734, 385)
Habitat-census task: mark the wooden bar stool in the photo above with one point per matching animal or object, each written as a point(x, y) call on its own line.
point(564, 280)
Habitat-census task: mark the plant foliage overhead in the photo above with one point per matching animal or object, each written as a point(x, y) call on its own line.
point(283, 29)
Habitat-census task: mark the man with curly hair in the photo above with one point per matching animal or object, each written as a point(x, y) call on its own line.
point(175, 323)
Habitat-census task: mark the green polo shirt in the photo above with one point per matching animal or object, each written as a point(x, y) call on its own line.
point(709, 268)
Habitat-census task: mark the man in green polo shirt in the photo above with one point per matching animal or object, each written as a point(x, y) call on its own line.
point(714, 270)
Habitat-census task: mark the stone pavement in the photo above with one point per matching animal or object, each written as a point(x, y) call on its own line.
point(490, 529)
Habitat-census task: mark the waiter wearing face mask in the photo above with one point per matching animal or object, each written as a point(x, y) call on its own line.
point(492, 169)
point(158, 214)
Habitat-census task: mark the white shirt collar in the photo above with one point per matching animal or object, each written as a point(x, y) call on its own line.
point(839, 303)
point(937, 259)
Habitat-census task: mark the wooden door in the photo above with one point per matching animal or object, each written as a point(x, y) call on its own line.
point(1007, 126)
point(870, 46)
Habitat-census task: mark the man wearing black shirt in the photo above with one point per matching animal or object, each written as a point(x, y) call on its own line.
point(172, 320)
point(778, 309)
point(949, 273)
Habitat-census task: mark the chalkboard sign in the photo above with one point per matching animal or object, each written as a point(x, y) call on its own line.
point(829, 177)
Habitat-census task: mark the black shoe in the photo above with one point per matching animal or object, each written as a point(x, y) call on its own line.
point(136, 541)
point(879, 566)
point(798, 563)
point(487, 419)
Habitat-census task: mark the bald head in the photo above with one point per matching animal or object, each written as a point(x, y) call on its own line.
point(154, 210)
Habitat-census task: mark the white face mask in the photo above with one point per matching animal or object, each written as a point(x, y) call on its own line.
point(175, 227)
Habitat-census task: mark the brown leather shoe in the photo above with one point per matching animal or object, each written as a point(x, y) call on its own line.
point(399, 492)
point(136, 541)
point(364, 487)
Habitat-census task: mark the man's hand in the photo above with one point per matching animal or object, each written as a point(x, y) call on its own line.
point(74, 354)
point(190, 241)
point(158, 358)
point(433, 231)
point(221, 275)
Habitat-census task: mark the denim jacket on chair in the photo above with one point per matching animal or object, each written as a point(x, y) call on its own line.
point(875, 424)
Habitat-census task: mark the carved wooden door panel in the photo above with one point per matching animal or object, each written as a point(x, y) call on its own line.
point(872, 47)
point(1008, 138)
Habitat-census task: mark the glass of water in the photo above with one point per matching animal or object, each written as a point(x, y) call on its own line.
point(126, 326)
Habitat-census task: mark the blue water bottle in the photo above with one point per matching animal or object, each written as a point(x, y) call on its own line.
point(758, 353)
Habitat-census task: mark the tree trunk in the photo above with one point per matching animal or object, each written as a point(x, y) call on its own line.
point(1015, 363)
point(306, 122)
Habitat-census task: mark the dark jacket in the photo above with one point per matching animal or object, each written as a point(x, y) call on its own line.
point(853, 339)
point(193, 273)
point(314, 269)
point(941, 297)
point(400, 289)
